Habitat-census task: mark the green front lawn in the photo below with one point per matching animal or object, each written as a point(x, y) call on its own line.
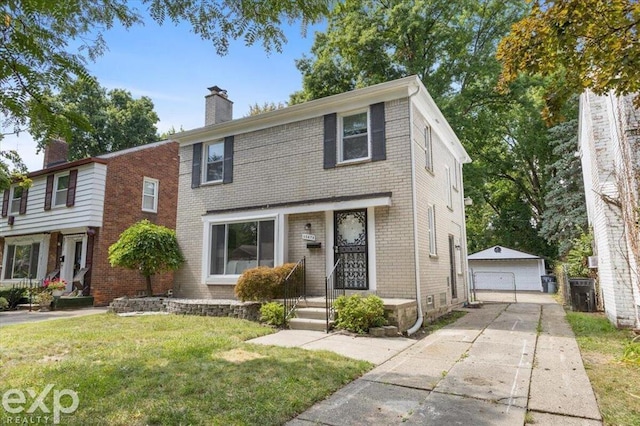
point(166, 369)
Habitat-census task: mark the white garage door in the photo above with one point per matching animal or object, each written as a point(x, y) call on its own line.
point(493, 280)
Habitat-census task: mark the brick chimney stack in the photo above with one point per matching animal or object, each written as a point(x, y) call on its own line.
point(56, 152)
point(218, 108)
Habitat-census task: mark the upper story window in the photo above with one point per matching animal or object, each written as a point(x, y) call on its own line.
point(214, 162)
point(61, 189)
point(449, 186)
point(456, 174)
point(428, 149)
point(150, 195)
point(354, 137)
point(16, 199)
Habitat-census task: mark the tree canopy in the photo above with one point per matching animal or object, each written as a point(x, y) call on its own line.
point(44, 45)
point(451, 46)
point(576, 44)
point(115, 119)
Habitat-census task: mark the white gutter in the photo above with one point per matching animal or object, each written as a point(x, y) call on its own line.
point(414, 197)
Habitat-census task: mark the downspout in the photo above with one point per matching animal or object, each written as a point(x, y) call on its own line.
point(414, 198)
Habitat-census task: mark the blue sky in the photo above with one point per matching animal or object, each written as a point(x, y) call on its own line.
point(174, 67)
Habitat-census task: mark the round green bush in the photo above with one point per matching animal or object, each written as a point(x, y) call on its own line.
point(3, 304)
point(272, 314)
point(257, 284)
point(358, 314)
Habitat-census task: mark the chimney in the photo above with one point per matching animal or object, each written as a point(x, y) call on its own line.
point(55, 153)
point(218, 108)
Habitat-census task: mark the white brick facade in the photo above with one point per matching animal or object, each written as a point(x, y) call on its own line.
point(278, 170)
point(604, 122)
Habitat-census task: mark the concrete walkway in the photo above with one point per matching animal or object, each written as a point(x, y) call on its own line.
point(491, 367)
point(24, 316)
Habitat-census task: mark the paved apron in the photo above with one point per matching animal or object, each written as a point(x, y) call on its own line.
point(488, 368)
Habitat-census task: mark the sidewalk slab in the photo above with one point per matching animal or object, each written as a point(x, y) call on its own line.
point(546, 419)
point(442, 409)
point(422, 365)
point(559, 383)
point(375, 350)
point(363, 402)
point(501, 384)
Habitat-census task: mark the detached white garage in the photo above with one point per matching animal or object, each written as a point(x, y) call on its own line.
point(502, 268)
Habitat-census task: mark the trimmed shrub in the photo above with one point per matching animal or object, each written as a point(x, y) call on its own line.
point(12, 296)
point(272, 314)
point(283, 272)
point(257, 284)
point(3, 304)
point(358, 314)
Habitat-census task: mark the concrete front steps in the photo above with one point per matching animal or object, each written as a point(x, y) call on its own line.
point(310, 314)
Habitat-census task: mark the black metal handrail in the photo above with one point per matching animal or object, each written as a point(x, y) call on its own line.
point(294, 288)
point(332, 293)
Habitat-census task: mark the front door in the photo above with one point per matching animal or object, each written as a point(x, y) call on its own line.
point(73, 255)
point(351, 249)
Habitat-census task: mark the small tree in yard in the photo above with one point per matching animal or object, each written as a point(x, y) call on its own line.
point(147, 247)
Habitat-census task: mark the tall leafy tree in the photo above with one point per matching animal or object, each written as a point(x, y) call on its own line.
point(44, 45)
point(577, 44)
point(115, 119)
point(565, 217)
point(451, 46)
point(148, 248)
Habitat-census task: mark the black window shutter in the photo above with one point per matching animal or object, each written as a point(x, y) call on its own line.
point(378, 142)
point(71, 191)
point(330, 133)
point(48, 193)
point(227, 168)
point(23, 201)
point(5, 203)
point(196, 166)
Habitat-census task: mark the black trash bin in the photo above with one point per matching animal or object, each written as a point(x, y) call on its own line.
point(546, 279)
point(583, 294)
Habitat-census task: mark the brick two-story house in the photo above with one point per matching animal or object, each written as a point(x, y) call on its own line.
point(371, 177)
point(66, 221)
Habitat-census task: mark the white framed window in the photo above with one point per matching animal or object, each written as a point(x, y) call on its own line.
point(456, 174)
point(428, 149)
point(16, 199)
point(449, 186)
point(355, 140)
point(61, 187)
point(21, 260)
point(237, 246)
point(431, 221)
point(150, 188)
point(213, 162)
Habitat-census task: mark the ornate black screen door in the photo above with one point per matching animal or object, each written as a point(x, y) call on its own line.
point(351, 249)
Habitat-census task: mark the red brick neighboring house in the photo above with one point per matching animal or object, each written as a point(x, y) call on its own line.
point(75, 210)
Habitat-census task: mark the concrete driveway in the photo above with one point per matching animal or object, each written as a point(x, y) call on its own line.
point(491, 367)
